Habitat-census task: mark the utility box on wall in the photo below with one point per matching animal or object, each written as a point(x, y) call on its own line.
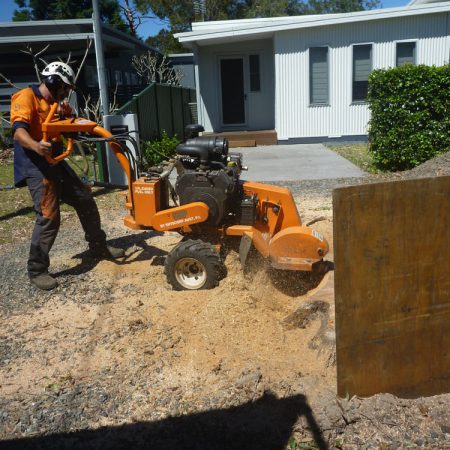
point(118, 124)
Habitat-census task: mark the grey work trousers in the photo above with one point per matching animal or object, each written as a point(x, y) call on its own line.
point(59, 184)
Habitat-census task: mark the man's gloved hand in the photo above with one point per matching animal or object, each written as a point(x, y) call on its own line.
point(64, 109)
point(43, 148)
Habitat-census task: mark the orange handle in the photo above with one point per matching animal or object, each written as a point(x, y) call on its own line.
point(49, 118)
point(45, 136)
point(63, 155)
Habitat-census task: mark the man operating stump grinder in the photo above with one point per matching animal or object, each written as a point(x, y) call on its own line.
point(50, 183)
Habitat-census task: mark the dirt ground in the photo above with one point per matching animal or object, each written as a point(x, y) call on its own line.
point(113, 358)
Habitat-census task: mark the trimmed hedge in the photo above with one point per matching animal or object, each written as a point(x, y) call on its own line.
point(410, 121)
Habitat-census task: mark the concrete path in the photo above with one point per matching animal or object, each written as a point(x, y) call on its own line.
point(295, 162)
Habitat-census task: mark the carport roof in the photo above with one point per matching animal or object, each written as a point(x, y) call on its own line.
point(73, 30)
point(206, 33)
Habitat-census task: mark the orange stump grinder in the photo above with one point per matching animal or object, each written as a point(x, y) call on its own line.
point(210, 204)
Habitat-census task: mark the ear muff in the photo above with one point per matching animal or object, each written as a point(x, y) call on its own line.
point(53, 83)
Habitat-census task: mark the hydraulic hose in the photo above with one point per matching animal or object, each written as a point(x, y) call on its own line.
point(117, 149)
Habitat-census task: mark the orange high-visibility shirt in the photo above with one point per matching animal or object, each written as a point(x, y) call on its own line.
point(30, 109)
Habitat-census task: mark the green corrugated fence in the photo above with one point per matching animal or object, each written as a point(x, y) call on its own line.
point(161, 107)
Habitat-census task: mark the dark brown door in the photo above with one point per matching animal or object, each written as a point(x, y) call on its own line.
point(233, 96)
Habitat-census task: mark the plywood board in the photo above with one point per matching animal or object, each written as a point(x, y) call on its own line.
point(392, 287)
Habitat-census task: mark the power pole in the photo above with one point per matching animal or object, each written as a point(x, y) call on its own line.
point(101, 72)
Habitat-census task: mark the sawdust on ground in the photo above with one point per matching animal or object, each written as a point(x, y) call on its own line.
point(143, 352)
point(238, 325)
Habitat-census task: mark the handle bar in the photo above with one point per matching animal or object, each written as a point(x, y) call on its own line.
point(53, 128)
point(45, 137)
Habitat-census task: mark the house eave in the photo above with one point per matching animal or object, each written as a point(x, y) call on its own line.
point(210, 34)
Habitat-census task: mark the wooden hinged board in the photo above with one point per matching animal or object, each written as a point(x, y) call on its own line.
point(392, 287)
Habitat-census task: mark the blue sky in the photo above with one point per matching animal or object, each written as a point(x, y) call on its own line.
point(151, 27)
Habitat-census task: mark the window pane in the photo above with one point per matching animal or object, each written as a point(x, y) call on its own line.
point(406, 53)
point(318, 75)
point(255, 81)
point(362, 66)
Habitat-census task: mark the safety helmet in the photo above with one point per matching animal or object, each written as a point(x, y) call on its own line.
point(61, 70)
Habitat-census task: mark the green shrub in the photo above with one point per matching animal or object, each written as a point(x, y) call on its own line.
point(157, 150)
point(410, 122)
point(5, 135)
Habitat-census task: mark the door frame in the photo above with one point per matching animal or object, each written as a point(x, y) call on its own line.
point(244, 58)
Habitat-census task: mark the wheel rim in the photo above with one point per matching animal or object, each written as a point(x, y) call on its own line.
point(190, 273)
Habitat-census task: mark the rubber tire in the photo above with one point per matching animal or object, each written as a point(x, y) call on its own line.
point(200, 251)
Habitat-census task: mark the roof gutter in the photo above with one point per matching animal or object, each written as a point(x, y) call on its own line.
point(335, 19)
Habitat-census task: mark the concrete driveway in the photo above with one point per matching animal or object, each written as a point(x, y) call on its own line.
point(295, 162)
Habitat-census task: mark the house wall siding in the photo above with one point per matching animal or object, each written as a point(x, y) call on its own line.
point(259, 109)
point(295, 118)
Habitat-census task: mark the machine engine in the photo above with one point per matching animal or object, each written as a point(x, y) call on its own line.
point(211, 175)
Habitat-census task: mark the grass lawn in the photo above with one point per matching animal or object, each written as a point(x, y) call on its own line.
point(16, 208)
point(358, 154)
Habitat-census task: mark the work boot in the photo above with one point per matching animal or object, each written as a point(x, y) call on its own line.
point(44, 281)
point(107, 252)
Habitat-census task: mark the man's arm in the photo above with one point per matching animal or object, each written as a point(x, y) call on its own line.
point(42, 148)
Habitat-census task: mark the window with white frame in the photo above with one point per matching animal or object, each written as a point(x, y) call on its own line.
point(318, 76)
point(405, 53)
point(362, 66)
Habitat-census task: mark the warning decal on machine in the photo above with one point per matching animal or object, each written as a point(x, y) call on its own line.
point(181, 222)
point(145, 190)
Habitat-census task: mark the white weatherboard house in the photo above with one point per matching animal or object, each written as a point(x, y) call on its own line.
point(306, 76)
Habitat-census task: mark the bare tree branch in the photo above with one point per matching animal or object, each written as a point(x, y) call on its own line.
point(44, 61)
point(88, 46)
point(10, 82)
point(153, 69)
point(92, 109)
point(43, 50)
point(133, 17)
point(29, 51)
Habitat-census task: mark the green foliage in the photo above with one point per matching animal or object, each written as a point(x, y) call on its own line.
point(410, 120)
point(5, 136)
point(68, 9)
point(165, 43)
point(159, 149)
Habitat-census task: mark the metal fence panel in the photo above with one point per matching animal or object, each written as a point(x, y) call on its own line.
point(161, 107)
point(164, 102)
point(186, 94)
point(177, 111)
point(148, 119)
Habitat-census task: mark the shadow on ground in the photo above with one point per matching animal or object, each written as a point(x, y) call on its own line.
point(29, 209)
point(265, 424)
point(133, 244)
